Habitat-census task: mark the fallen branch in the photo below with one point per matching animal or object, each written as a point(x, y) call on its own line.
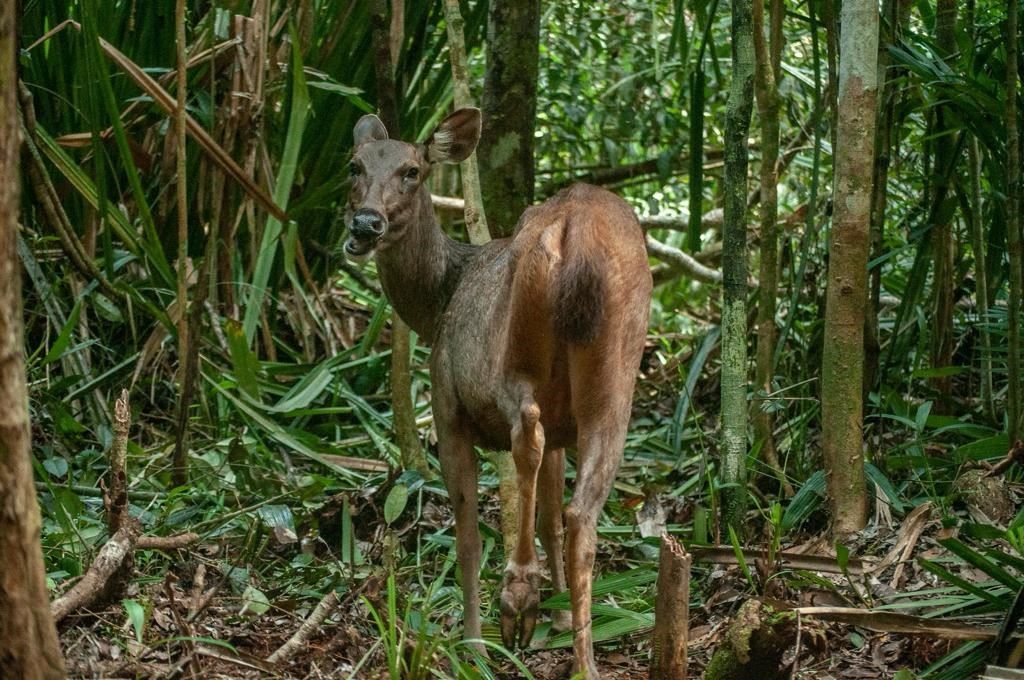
point(1014, 455)
point(787, 560)
point(889, 622)
point(671, 612)
point(308, 628)
point(94, 584)
point(175, 542)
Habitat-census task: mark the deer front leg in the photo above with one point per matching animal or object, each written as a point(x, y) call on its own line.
point(520, 592)
point(458, 467)
point(550, 490)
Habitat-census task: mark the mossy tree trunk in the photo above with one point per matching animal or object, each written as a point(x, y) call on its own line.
point(734, 271)
point(509, 107)
point(28, 637)
point(846, 299)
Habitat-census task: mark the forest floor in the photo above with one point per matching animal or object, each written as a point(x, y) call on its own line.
point(197, 627)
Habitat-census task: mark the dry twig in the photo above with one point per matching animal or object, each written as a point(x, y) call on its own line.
point(308, 628)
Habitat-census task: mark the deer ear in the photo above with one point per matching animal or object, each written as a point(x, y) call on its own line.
point(455, 137)
point(369, 129)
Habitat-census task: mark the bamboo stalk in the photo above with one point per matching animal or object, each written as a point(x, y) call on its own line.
point(1013, 223)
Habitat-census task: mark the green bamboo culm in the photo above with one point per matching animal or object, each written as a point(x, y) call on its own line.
point(734, 270)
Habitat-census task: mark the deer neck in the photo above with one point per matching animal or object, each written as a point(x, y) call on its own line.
point(421, 271)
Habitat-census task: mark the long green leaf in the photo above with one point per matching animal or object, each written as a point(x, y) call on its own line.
point(282, 190)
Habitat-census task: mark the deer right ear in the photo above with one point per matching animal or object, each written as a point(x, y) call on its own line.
point(369, 129)
point(455, 137)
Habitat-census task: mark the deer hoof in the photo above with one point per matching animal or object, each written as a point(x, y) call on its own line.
point(520, 598)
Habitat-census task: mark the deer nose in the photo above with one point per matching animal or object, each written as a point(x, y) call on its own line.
point(368, 224)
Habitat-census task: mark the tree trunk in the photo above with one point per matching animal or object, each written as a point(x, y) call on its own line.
point(943, 247)
point(843, 362)
point(1013, 222)
point(734, 272)
point(28, 637)
point(767, 93)
point(509, 107)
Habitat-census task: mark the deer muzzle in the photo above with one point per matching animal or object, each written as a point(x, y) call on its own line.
point(367, 228)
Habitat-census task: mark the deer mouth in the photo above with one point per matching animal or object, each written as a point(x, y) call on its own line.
point(360, 249)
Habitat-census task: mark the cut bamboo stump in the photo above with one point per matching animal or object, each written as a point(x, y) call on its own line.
point(671, 612)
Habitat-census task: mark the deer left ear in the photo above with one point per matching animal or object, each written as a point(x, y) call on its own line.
point(455, 137)
point(369, 129)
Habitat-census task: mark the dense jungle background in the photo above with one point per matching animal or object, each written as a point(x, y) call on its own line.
point(201, 356)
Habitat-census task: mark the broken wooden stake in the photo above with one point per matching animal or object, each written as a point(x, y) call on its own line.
point(671, 612)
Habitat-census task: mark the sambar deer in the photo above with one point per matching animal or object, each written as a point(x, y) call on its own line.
point(536, 343)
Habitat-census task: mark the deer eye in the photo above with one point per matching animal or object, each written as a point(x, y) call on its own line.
point(354, 170)
point(412, 173)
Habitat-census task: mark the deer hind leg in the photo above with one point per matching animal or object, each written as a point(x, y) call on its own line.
point(599, 454)
point(520, 592)
point(550, 490)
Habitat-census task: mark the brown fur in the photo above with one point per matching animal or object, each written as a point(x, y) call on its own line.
point(536, 344)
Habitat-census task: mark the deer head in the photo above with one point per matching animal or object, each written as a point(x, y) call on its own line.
point(388, 176)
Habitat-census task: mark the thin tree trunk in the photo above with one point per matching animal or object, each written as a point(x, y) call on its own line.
point(179, 459)
point(734, 271)
point(476, 225)
point(978, 246)
point(476, 220)
point(402, 406)
point(831, 23)
point(943, 247)
point(28, 637)
point(509, 107)
point(879, 191)
point(1013, 222)
point(843, 362)
point(386, 46)
point(766, 91)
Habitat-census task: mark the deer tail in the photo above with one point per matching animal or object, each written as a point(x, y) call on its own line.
point(579, 292)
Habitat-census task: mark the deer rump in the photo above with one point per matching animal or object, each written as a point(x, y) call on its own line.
point(556, 315)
